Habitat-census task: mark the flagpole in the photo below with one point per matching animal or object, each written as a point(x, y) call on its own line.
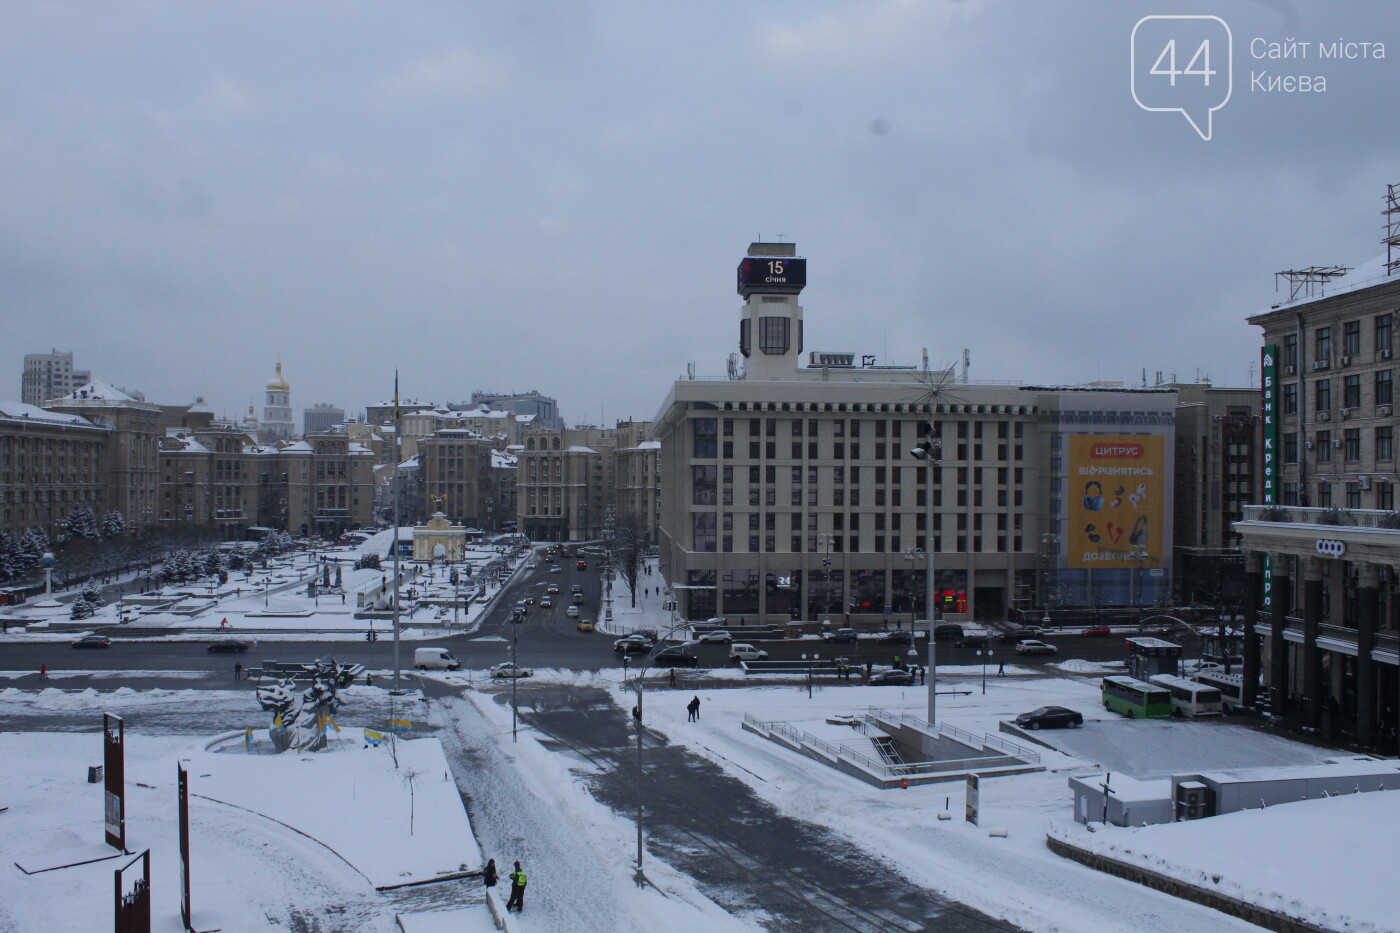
point(394, 478)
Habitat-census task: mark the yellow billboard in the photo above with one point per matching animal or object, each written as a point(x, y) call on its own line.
point(1117, 501)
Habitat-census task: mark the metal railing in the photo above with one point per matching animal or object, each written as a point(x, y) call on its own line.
point(1309, 515)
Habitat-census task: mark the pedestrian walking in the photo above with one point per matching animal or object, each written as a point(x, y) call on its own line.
point(237, 671)
point(869, 669)
point(517, 889)
point(1001, 669)
point(489, 875)
point(43, 671)
point(693, 708)
point(673, 676)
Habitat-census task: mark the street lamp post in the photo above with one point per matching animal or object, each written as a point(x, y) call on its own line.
point(809, 658)
point(986, 655)
point(930, 452)
point(514, 681)
point(1049, 544)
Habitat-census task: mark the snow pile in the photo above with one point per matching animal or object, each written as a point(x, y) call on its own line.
point(1306, 859)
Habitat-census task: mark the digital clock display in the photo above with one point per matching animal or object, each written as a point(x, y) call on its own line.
point(781, 273)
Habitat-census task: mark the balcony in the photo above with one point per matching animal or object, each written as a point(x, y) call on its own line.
point(1310, 515)
point(1341, 639)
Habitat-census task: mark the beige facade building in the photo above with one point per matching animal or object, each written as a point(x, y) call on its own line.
point(129, 456)
point(456, 471)
point(789, 489)
point(49, 376)
point(1323, 547)
point(563, 484)
point(50, 463)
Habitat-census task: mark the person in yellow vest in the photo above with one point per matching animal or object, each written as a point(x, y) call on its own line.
point(517, 889)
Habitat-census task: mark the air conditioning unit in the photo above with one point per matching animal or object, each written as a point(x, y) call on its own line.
point(1337, 444)
point(1383, 410)
point(1346, 413)
point(1291, 370)
point(1321, 364)
point(1324, 416)
point(1364, 482)
point(1346, 361)
point(1308, 444)
point(1385, 353)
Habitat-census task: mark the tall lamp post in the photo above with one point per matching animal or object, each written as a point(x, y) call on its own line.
point(1049, 546)
point(825, 540)
point(930, 452)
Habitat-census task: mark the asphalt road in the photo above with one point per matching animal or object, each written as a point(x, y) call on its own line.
point(547, 638)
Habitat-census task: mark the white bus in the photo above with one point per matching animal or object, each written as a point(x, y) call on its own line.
point(1189, 698)
point(1231, 687)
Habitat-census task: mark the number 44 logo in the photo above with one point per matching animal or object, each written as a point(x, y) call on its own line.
point(1160, 83)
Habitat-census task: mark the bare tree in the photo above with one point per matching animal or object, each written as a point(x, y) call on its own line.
point(630, 545)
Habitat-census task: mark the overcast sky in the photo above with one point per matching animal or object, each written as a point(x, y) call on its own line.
point(554, 195)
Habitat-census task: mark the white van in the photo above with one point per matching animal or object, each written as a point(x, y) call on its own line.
point(742, 652)
point(435, 659)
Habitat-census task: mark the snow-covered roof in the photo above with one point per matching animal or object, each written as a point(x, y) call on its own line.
point(97, 391)
point(1369, 273)
point(297, 447)
point(648, 445)
point(19, 411)
point(357, 448)
point(199, 407)
point(176, 440)
point(580, 449)
point(503, 460)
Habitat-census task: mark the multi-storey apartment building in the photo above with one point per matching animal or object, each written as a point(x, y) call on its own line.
point(456, 467)
point(48, 376)
point(790, 488)
point(563, 483)
point(1323, 546)
point(320, 417)
point(637, 475)
point(545, 410)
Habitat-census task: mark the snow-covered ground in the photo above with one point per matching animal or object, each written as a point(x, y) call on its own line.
point(531, 801)
point(278, 598)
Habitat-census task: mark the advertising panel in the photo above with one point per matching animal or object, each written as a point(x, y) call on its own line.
point(1268, 399)
point(114, 780)
point(1117, 502)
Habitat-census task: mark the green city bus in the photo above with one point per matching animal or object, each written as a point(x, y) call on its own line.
point(1136, 699)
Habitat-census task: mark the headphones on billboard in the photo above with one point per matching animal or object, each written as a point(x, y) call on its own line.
point(1138, 536)
point(1095, 502)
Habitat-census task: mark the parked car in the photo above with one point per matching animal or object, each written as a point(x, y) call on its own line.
point(891, 677)
point(980, 640)
point(585, 625)
point(571, 612)
point(895, 638)
point(229, 646)
point(1031, 646)
point(717, 637)
point(93, 641)
point(743, 652)
point(675, 657)
point(1020, 634)
point(841, 635)
point(948, 631)
point(510, 669)
point(1098, 631)
point(1050, 717)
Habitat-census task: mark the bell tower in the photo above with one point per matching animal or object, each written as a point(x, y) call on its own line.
point(770, 328)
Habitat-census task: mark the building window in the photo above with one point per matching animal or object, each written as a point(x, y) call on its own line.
point(703, 483)
point(774, 335)
point(1290, 398)
point(1290, 493)
point(1324, 495)
point(1324, 343)
point(1385, 386)
point(1385, 496)
point(705, 440)
point(1352, 444)
point(1290, 351)
point(1351, 392)
point(704, 527)
point(1324, 395)
point(1385, 442)
point(1385, 330)
point(1290, 447)
point(1324, 446)
point(1353, 495)
point(1351, 338)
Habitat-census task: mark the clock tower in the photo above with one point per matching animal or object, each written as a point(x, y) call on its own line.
point(770, 328)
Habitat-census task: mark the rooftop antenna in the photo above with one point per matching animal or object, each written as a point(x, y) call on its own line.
point(1392, 228)
point(967, 362)
point(1306, 281)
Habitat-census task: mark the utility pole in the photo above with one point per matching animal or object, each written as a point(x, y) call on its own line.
point(394, 478)
point(930, 452)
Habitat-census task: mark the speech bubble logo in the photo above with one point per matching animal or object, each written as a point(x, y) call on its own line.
point(1183, 64)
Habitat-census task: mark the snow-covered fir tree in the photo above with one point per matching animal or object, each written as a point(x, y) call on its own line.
point(80, 523)
point(113, 525)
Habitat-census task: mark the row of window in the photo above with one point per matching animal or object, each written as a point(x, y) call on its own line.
point(1292, 494)
point(1384, 329)
point(881, 544)
point(1325, 444)
point(1383, 392)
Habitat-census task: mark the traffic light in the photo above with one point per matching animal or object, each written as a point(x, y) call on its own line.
point(371, 635)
